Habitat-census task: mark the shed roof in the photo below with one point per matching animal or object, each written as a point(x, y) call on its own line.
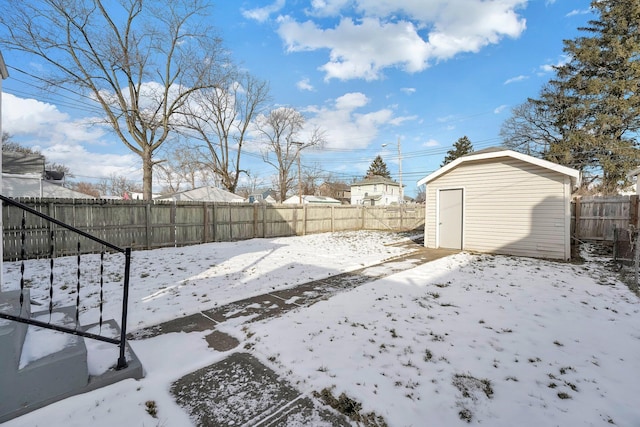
point(376, 179)
point(314, 200)
point(497, 152)
point(203, 194)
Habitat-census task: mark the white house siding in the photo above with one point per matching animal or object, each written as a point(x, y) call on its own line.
point(509, 206)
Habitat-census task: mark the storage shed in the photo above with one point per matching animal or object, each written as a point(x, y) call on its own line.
point(501, 201)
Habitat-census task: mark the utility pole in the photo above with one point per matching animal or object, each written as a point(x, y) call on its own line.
point(400, 172)
point(299, 145)
point(401, 199)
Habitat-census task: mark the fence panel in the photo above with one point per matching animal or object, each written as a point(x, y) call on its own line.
point(143, 225)
point(596, 217)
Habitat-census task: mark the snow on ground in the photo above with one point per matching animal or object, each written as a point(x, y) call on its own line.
point(173, 282)
point(499, 341)
point(493, 340)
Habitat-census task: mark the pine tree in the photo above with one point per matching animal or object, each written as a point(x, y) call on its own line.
point(378, 168)
point(593, 104)
point(460, 148)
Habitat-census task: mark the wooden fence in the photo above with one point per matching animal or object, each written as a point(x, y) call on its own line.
point(596, 217)
point(143, 225)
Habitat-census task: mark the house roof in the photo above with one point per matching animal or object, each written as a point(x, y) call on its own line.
point(338, 186)
point(497, 152)
point(313, 200)
point(35, 186)
point(203, 194)
point(376, 179)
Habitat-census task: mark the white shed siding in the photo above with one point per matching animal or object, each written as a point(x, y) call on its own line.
point(510, 206)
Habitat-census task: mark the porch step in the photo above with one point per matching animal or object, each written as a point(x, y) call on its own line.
point(52, 366)
point(12, 334)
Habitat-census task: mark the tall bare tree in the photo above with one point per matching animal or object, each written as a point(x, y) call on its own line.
point(280, 131)
point(140, 61)
point(221, 117)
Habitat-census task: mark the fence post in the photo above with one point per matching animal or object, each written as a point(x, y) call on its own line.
point(205, 225)
point(264, 220)
point(636, 236)
point(633, 210)
point(304, 220)
point(215, 222)
point(576, 215)
point(333, 212)
point(255, 220)
point(147, 226)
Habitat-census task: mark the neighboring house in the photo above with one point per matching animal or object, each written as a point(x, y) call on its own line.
point(337, 190)
point(375, 191)
point(32, 185)
point(24, 175)
point(501, 201)
point(203, 194)
point(312, 200)
point(267, 196)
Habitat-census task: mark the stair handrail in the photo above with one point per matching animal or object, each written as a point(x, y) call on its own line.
point(121, 342)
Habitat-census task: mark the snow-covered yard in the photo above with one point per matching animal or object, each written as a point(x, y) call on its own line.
point(490, 340)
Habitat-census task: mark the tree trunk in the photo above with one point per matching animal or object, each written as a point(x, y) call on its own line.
point(147, 174)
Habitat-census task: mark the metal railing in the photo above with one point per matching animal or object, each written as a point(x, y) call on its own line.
point(121, 341)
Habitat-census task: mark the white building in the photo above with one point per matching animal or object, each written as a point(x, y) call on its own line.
point(375, 191)
point(500, 201)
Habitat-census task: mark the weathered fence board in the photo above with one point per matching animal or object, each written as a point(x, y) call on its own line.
point(142, 225)
point(596, 217)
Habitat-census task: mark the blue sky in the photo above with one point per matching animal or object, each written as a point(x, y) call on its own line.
point(370, 72)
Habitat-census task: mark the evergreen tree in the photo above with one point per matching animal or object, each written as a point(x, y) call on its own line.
point(378, 168)
point(590, 111)
point(460, 148)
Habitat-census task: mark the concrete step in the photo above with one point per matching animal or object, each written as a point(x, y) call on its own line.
point(12, 334)
point(52, 366)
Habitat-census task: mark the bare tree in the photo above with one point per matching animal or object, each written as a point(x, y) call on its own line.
point(86, 188)
point(531, 129)
point(312, 176)
point(220, 117)
point(140, 61)
point(117, 185)
point(280, 131)
point(183, 169)
point(250, 186)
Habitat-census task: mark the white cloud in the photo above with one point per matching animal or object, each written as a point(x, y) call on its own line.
point(64, 140)
point(261, 14)
point(305, 85)
point(445, 119)
point(516, 79)
point(346, 126)
point(102, 165)
point(549, 68)
point(500, 109)
point(579, 12)
point(43, 123)
point(431, 143)
point(407, 34)
point(408, 90)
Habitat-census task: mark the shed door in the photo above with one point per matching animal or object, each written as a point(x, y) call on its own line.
point(450, 219)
